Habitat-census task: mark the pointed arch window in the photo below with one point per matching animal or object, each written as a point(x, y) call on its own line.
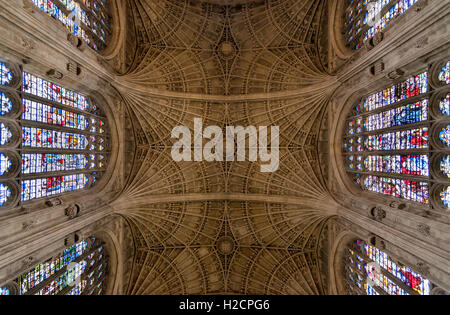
point(80, 269)
point(53, 140)
point(365, 18)
point(370, 271)
point(87, 19)
point(397, 142)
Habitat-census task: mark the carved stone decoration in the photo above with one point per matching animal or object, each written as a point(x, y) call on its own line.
point(225, 245)
point(73, 68)
point(378, 214)
point(71, 239)
point(53, 202)
point(422, 42)
point(377, 241)
point(396, 74)
point(27, 44)
point(377, 39)
point(377, 68)
point(423, 268)
point(226, 50)
point(72, 211)
point(398, 205)
point(420, 5)
point(28, 262)
point(55, 74)
point(27, 225)
point(424, 229)
point(73, 39)
point(29, 6)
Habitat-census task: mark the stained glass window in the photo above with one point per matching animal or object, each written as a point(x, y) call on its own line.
point(6, 104)
point(444, 135)
point(389, 138)
point(444, 75)
point(5, 194)
point(62, 145)
point(444, 105)
point(79, 269)
point(5, 74)
point(5, 164)
point(364, 18)
point(370, 271)
point(4, 291)
point(87, 19)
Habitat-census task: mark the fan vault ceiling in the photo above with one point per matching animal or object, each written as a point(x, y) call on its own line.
point(202, 227)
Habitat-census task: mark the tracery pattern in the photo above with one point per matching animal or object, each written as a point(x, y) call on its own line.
point(87, 19)
point(218, 52)
point(78, 270)
point(58, 138)
point(365, 18)
point(393, 138)
point(370, 271)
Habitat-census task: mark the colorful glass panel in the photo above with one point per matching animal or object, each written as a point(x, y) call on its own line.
point(5, 164)
point(444, 75)
point(400, 188)
point(400, 116)
point(5, 74)
point(373, 19)
point(445, 197)
point(70, 273)
point(44, 187)
point(5, 194)
point(6, 104)
point(400, 140)
point(51, 115)
point(408, 276)
point(43, 271)
point(445, 165)
point(444, 105)
point(43, 163)
point(398, 164)
point(87, 20)
point(53, 92)
point(4, 291)
point(444, 135)
point(5, 134)
point(43, 138)
point(413, 86)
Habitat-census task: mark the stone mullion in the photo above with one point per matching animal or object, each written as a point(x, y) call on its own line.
point(41, 125)
point(355, 287)
point(65, 107)
point(398, 282)
point(407, 101)
point(59, 273)
point(386, 273)
point(85, 291)
point(83, 276)
point(91, 15)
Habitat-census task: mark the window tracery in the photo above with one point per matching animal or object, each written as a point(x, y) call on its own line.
point(396, 141)
point(365, 18)
point(87, 19)
point(80, 269)
point(52, 140)
point(370, 271)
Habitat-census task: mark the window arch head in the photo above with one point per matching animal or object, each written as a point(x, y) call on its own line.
point(364, 19)
point(80, 269)
point(397, 142)
point(89, 20)
point(52, 140)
